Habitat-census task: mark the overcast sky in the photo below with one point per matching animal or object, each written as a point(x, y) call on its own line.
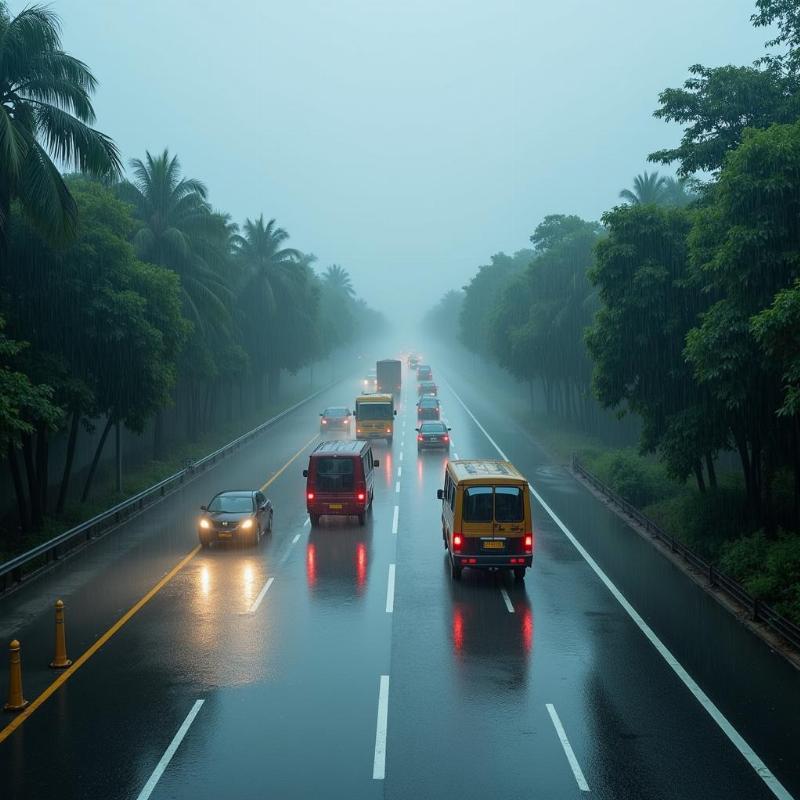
point(407, 141)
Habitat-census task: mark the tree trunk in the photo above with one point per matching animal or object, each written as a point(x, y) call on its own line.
point(698, 474)
point(19, 489)
point(42, 470)
point(95, 460)
point(712, 472)
point(34, 493)
point(68, 461)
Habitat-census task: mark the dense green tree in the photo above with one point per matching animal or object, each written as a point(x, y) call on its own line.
point(45, 112)
point(336, 279)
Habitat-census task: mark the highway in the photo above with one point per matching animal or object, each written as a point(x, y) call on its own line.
point(343, 662)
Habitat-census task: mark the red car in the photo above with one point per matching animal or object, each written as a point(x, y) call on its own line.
point(340, 480)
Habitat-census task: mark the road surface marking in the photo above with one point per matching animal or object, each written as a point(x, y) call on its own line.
point(455, 455)
point(260, 597)
point(115, 628)
point(170, 751)
point(84, 657)
point(390, 591)
point(395, 518)
point(752, 758)
point(568, 751)
point(397, 487)
point(379, 764)
point(291, 460)
point(307, 522)
point(297, 536)
point(399, 472)
point(507, 600)
point(401, 455)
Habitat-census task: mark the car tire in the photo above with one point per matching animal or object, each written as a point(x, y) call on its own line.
point(314, 520)
point(455, 570)
point(519, 574)
point(205, 542)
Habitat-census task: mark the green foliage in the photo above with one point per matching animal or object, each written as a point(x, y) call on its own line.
point(637, 479)
point(45, 111)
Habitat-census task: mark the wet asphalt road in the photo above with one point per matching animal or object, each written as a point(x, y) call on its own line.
point(477, 673)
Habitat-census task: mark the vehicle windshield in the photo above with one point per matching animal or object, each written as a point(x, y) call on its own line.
point(335, 474)
point(231, 504)
point(478, 504)
point(374, 411)
point(428, 402)
point(336, 411)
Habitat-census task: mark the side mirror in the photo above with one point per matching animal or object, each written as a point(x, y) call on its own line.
point(449, 429)
point(321, 414)
point(395, 412)
point(416, 429)
point(440, 494)
point(305, 473)
point(375, 462)
point(204, 508)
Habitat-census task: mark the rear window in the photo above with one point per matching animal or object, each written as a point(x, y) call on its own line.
point(428, 402)
point(374, 411)
point(508, 505)
point(478, 504)
point(335, 474)
point(432, 427)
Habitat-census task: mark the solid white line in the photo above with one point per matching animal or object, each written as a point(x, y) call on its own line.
point(296, 538)
point(761, 769)
point(379, 764)
point(261, 594)
point(307, 522)
point(170, 751)
point(562, 736)
point(507, 600)
point(395, 518)
point(390, 591)
point(399, 472)
point(397, 487)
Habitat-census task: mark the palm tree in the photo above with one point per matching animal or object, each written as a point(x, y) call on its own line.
point(178, 230)
point(45, 114)
point(678, 192)
point(648, 188)
point(337, 280)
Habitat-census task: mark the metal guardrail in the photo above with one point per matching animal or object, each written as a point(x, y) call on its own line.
point(16, 569)
point(757, 609)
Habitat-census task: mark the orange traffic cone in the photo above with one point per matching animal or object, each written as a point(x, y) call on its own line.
point(16, 702)
point(60, 661)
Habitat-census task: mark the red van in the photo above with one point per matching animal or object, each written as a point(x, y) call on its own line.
point(340, 480)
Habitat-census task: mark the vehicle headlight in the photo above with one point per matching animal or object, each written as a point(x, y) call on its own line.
point(246, 523)
point(204, 523)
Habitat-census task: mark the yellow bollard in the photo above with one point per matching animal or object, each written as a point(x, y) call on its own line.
point(60, 661)
point(16, 702)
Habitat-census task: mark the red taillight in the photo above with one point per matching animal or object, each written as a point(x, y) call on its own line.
point(310, 495)
point(324, 422)
point(528, 542)
point(457, 541)
point(419, 438)
point(445, 438)
point(361, 496)
point(347, 421)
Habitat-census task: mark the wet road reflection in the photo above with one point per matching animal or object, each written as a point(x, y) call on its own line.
point(338, 560)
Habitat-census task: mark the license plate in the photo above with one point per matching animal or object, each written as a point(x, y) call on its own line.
point(224, 535)
point(493, 545)
point(335, 506)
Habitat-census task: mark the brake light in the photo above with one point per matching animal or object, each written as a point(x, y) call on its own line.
point(445, 438)
point(419, 438)
point(457, 542)
point(311, 495)
point(361, 496)
point(388, 430)
point(528, 542)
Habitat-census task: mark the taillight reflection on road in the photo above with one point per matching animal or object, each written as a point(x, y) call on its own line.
point(311, 564)
point(458, 630)
point(527, 629)
point(361, 564)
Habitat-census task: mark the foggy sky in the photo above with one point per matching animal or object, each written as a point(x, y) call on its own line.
point(407, 141)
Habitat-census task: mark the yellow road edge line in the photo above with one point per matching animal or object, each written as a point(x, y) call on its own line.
point(293, 458)
point(125, 618)
point(79, 662)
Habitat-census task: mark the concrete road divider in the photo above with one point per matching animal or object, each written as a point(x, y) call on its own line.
point(60, 661)
point(16, 702)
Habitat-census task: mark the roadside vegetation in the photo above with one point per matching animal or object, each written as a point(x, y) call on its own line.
point(126, 293)
point(680, 307)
